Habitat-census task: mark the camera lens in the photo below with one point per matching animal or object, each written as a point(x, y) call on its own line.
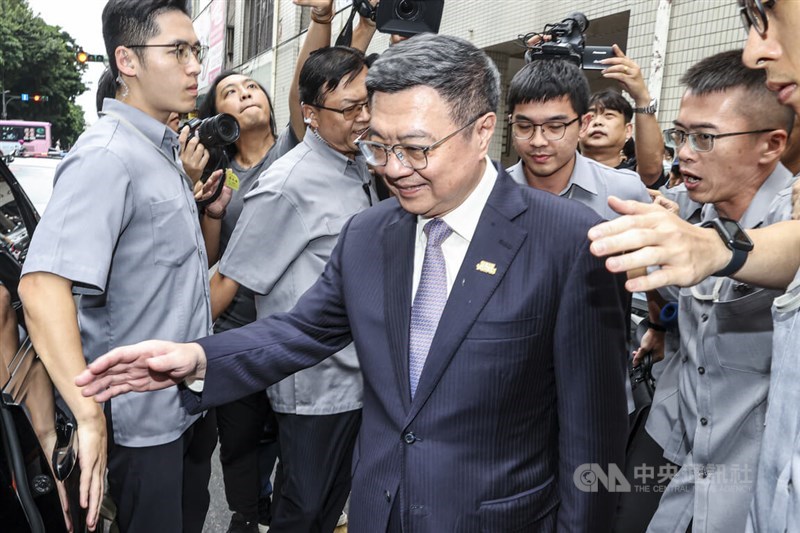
point(220, 130)
point(407, 10)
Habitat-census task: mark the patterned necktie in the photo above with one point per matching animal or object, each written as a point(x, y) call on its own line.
point(429, 300)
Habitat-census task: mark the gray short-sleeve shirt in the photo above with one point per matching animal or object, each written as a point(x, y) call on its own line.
point(285, 235)
point(122, 225)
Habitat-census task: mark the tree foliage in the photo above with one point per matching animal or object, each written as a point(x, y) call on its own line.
point(38, 58)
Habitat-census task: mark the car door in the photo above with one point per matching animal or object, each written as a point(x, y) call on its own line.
point(38, 473)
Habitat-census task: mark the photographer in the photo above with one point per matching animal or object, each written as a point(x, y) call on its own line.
point(610, 126)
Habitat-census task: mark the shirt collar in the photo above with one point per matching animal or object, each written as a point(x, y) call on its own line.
point(319, 145)
point(582, 176)
point(463, 220)
point(754, 215)
point(158, 133)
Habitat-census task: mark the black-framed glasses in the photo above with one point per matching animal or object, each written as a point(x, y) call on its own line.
point(410, 156)
point(350, 112)
point(552, 131)
point(754, 14)
point(183, 51)
point(701, 142)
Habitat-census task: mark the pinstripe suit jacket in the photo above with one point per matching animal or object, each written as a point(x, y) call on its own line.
point(522, 385)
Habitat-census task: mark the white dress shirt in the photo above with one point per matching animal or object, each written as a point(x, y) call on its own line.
point(462, 220)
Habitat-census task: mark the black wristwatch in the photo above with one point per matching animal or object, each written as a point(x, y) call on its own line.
point(735, 239)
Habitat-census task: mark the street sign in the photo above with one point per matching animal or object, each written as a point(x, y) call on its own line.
point(24, 97)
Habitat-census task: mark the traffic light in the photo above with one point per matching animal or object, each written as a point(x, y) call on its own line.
point(82, 57)
point(38, 98)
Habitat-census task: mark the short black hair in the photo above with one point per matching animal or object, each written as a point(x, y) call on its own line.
point(326, 68)
point(725, 71)
point(544, 80)
point(133, 22)
point(460, 73)
point(612, 100)
point(106, 88)
point(208, 105)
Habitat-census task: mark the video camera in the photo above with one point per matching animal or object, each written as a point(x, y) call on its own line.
point(219, 130)
point(409, 17)
point(567, 40)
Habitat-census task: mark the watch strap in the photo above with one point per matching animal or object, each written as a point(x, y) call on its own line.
point(649, 109)
point(734, 265)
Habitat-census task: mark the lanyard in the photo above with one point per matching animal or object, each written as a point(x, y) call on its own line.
point(151, 143)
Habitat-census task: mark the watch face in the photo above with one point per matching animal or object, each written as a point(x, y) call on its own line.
point(736, 237)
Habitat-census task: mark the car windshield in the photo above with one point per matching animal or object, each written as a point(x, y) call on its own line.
point(35, 175)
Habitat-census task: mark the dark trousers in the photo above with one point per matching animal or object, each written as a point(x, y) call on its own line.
point(241, 426)
point(165, 487)
point(316, 455)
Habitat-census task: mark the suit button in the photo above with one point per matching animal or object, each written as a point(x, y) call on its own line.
point(409, 438)
point(704, 421)
point(701, 370)
point(388, 496)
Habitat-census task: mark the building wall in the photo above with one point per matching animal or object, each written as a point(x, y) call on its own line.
point(697, 28)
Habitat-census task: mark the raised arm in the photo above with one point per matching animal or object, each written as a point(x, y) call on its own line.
point(646, 133)
point(318, 36)
point(364, 31)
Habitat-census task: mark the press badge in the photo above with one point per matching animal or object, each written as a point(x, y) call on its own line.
point(231, 179)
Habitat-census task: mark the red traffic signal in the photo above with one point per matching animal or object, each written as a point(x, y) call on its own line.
point(38, 98)
point(82, 57)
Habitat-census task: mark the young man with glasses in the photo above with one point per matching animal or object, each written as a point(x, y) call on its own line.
point(730, 134)
point(485, 330)
point(122, 232)
point(548, 103)
point(287, 229)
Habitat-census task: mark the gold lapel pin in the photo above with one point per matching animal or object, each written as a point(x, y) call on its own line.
point(486, 267)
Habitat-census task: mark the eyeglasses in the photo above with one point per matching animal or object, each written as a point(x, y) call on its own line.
point(183, 51)
point(754, 14)
point(552, 131)
point(413, 157)
point(350, 112)
point(701, 142)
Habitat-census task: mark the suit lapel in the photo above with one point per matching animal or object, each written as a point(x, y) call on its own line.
point(398, 260)
point(496, 240)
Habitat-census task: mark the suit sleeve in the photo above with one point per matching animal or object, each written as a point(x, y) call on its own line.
point(253, 357)
point(590, 353)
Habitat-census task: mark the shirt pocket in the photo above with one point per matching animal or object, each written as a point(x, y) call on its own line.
point(173, 238)
point(745, 332)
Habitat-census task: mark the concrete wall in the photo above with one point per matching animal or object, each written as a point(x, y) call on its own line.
point(697, 28)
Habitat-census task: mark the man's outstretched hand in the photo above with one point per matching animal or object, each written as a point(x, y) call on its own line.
point(650, 236)
point(147, 366)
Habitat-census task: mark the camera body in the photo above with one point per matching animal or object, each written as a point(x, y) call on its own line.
point(219, 130)
point(567, 41)
point(409, 17)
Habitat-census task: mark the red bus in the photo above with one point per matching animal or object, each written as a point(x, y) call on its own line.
point(25, 137)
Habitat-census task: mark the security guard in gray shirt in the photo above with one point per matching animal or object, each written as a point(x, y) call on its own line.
point(730, 134)
point(121, 230)
point(286, 232)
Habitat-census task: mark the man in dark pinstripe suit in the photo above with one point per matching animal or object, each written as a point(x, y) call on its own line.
point(519, 408)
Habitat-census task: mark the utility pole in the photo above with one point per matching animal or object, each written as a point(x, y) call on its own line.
point(6, 100)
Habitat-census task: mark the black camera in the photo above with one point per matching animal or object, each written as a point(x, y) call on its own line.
point(409, 17)
point(219, 130)
point(567, 40)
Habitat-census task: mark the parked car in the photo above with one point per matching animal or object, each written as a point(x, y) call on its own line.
point(39, 475)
